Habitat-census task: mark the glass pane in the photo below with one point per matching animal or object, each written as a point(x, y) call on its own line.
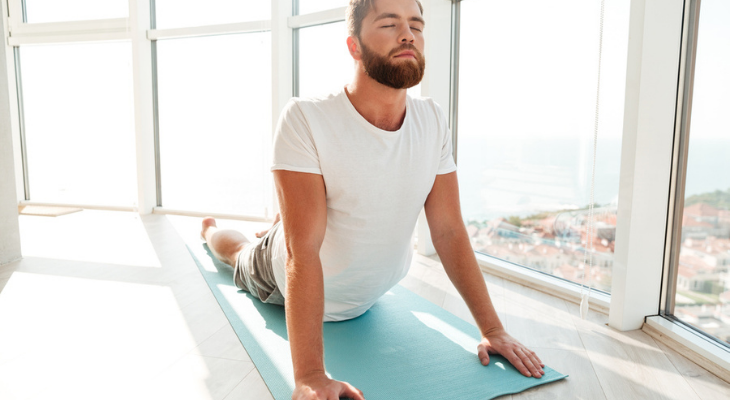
point(79, 122)
point(528, 77)
point(74, 10)
point(187, 13)
point(215, 122)
point(325, 64)
point(703, 283)
point(310, 6)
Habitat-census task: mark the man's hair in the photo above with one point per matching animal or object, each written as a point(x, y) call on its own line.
point(357, 10)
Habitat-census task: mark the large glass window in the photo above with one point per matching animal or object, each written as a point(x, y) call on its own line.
point(187, 13)
point(325, 64)
point(74, 10)
point(310, 6)
point(79, 123)
point(215, 122)
point(528, 73)
point(703, 274)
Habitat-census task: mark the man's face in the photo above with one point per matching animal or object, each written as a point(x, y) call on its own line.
point(391, 43)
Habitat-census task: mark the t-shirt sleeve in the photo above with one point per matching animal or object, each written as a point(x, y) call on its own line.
point(294, 147)
point(446, 163)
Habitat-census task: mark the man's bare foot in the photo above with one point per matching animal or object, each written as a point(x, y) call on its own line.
point(208, 223)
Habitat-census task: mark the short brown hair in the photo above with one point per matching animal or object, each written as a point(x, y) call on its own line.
point(357, 10)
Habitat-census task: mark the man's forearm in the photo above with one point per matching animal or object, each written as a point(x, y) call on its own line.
point(463, 270)
point(304, 312)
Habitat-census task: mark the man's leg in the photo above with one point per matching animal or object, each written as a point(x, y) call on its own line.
point(225, 244)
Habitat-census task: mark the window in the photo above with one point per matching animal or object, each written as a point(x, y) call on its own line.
point(527, 98)
point(79, 123)
point(325, 64)
point(311, 6)
point(74, 10)
point(702, 297)
point(188, 13)
point(215, 105)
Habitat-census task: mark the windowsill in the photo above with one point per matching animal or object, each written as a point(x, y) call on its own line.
point(554, 286)
point(708, 354)
point(76, 205)
point(202, 214)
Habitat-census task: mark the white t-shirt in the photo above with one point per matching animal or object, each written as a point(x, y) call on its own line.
point(376, 184)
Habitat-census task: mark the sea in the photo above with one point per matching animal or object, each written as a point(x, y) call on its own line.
point(500, 177)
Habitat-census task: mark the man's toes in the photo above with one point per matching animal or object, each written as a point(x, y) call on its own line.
point(208, 222)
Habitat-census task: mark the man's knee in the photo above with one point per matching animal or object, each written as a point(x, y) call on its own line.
point(232, 257)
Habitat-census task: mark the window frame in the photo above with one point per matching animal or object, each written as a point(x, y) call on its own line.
point(680, 154)
point(296, 22)
point(680, 157)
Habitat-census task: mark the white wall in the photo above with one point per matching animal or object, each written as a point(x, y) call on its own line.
point(9, 229)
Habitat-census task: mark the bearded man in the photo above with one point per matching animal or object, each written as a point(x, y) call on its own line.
point(352, 172)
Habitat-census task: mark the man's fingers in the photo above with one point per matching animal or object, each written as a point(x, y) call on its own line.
point(539, 361)
point(351, 392)
point(483, 354)
point(484, 360)
point(484, 357)
point(522, 358)
point(527, 361)
point(536, 361)
point(516, 362)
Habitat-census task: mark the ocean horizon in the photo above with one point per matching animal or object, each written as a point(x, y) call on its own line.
point(548, 174)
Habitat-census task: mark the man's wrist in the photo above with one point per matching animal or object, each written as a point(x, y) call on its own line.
point(308, 374)
point(493, 331)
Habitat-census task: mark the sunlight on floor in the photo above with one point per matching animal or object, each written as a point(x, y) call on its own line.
point(86, 236)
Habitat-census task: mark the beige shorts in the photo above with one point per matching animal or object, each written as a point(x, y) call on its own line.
point(254, 272)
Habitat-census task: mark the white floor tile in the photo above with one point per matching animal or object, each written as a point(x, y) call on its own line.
point(196, 377)
point(223, 344)
point(251, 388)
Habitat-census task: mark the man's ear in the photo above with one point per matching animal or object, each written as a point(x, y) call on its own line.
point(353, 46)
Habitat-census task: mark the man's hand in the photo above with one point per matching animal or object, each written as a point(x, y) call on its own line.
point(522, 358)
point(319, 387)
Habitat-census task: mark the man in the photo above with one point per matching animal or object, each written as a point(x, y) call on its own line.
point(352, 172)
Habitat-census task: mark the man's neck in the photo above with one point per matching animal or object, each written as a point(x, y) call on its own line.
point(380, 105)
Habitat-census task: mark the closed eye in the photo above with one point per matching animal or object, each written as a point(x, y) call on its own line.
point(387, 26)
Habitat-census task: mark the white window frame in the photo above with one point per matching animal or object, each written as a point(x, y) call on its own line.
point(646, 160)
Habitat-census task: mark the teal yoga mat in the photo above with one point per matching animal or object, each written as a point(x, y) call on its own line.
point(403, 348)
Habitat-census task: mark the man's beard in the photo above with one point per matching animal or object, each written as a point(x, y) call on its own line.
point(400, 75)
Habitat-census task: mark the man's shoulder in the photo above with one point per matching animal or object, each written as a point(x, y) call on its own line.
point(308, 109)
point(316, 102)
point(426, 106)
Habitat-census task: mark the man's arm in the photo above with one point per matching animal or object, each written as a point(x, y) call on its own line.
point(303, 208)
point(451, 241)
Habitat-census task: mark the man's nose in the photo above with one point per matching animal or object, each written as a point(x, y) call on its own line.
point(407, 35)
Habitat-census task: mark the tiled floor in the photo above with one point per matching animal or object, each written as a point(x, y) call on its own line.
point(110, 305)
